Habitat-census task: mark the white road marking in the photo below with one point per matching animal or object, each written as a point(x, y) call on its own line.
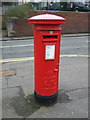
point(66, 37)
point(16, 46)
point(88, 41)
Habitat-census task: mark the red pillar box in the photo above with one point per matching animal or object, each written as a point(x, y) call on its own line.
point(47, 34)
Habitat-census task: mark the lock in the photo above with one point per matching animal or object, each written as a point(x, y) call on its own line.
point(51, 32)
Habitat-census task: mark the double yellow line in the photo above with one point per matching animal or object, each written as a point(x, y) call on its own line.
point(32, 58)
point(16, 59)
point(75, 56)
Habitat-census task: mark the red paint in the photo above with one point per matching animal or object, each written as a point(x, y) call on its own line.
point(47, 33)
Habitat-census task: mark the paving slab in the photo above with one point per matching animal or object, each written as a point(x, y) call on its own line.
point(7, 96)
point(73, 109)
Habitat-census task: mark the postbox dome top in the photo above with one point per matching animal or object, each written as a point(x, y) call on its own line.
point(46, 19)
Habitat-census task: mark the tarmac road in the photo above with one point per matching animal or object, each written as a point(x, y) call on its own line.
point(18, 81)
point(24, 48)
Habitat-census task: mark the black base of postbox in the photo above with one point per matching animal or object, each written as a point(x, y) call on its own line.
point(46, 100)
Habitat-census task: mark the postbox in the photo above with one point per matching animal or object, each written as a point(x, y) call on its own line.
point(47, 34)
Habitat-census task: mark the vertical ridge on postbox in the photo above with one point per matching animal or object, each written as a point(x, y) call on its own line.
point(47, 34)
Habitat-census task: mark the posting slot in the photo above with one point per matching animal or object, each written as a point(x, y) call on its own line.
point(50, 37)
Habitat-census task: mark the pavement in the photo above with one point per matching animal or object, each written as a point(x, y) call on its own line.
point(31, 37)
point(18, 86)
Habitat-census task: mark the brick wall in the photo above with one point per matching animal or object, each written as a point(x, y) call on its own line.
point(76, 22)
